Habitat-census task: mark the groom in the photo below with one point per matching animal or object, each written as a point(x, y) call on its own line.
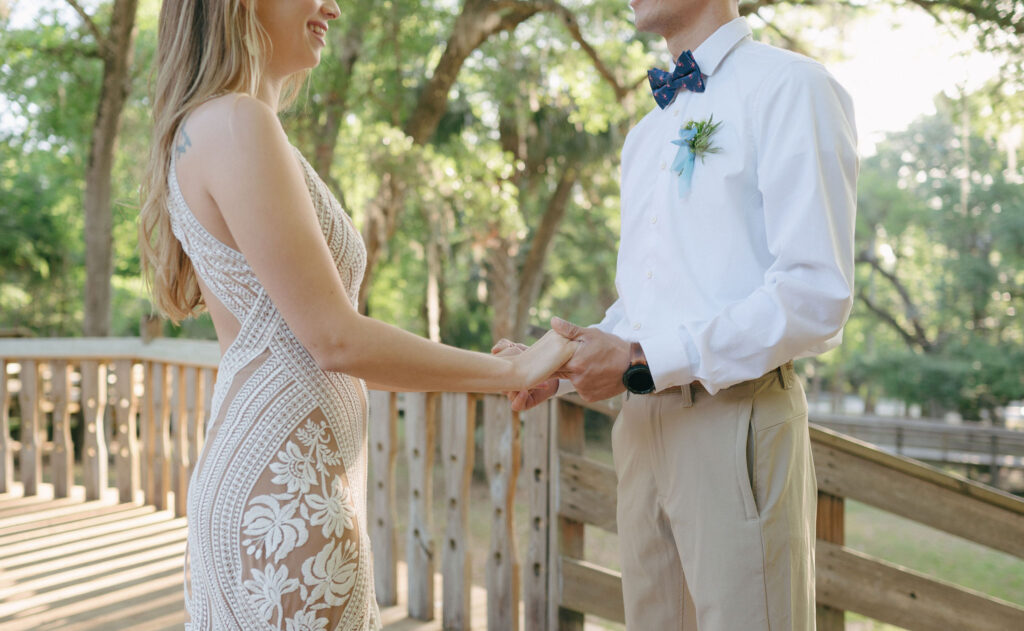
point(736, 256)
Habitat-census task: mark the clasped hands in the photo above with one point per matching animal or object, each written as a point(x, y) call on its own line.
point(595, 369)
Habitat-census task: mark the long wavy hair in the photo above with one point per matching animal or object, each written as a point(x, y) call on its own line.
point(205, 48)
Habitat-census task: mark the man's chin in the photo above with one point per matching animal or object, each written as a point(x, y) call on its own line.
point(645, 23)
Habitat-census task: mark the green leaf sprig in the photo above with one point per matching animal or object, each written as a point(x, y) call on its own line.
point(700, 144)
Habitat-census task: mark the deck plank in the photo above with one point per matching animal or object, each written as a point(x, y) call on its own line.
point(72, 565)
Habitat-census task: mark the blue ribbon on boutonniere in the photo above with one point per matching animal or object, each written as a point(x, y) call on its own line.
point(694, 142)
point(684, 162)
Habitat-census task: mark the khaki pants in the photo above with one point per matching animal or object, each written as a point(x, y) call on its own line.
point(716, 511)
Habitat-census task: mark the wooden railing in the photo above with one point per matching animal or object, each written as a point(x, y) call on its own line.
point(137, 403)
point(846, 580)
point(157, 394)
point(448, 421)
point(931, 440)
point(142, 408)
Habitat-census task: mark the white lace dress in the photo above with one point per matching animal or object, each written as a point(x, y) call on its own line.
point(277, 502)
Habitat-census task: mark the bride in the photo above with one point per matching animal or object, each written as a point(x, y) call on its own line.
point(235, 221)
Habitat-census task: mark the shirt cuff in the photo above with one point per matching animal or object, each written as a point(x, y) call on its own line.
point(672, 358)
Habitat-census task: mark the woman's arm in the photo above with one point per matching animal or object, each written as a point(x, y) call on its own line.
point(251, 174)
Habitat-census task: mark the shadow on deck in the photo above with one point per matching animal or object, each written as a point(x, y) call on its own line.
point(74, 565)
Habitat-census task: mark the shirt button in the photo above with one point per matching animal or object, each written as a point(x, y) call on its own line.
point(675, 112)
point(650, 274)
point(654, 219)
point(636, 327)
point(664, 165)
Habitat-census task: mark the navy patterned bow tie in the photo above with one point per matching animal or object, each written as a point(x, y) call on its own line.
point(686, 74)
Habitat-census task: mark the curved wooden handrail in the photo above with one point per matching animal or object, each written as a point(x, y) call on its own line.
point(183, 352)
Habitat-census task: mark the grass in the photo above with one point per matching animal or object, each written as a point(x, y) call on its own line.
point(932, 552)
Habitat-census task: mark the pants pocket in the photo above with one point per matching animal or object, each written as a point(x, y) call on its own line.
point(745, 457)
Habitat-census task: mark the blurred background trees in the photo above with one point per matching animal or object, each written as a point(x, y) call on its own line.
point(476, 144)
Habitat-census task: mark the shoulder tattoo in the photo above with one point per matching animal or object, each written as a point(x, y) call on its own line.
point(184, 142)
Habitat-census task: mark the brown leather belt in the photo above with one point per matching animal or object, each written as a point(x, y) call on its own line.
point(785, 373)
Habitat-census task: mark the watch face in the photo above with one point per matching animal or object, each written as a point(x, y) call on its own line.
point(638, 380)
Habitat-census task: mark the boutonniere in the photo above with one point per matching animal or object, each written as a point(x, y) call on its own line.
point(694, 142)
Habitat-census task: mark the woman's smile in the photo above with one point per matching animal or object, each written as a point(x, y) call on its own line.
point(319, 31)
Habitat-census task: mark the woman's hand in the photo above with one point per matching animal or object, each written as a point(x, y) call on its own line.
point(532, 397)
point(542, 360)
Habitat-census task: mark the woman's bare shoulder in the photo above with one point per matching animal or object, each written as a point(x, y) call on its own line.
point(228, 127)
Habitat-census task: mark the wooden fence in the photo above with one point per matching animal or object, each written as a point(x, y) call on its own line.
point(137, 403)
point(846, 580)
point(932, 440)
point(155, 398)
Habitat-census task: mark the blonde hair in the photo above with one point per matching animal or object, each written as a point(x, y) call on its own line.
point(205, 48)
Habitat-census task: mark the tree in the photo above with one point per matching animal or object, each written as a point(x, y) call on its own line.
point(462, 139)
point(940, 254)
point(112, 46)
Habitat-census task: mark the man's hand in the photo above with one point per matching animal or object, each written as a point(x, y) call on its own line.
point(596, 368)
point(525, 399)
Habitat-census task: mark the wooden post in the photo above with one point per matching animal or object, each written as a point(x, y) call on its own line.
point(157, 464)
point(147, 422)
point(126, 459)
point(831, 528)
point(537, 431)
point(30, 457)
point(6, 448)
point(383, 539)
point(63, 457)
point(994, 466)
point(567, 534)
point(419, 446)
point(458, 419)
point(501, 458)
point(151, 327)
point(179, 439)
point(94, 448)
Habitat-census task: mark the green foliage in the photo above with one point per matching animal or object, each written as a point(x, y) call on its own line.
point(701, 143)
point(940, 240)
point(938, 321)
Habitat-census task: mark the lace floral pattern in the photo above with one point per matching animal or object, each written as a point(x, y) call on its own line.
point(276, 523)
point(277, 502)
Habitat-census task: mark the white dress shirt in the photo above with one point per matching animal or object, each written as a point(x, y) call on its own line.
point(754, 266)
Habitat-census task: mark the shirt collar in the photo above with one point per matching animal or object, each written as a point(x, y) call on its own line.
point(712, 51)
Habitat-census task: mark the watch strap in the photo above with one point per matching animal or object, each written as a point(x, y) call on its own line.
point(636, 355)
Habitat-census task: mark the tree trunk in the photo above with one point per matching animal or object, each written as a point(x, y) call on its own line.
point(435, 250)
point(336, 100)
point(116, 52)
point(502, 285)
point(533, 268)
point(870, 399)
point(479, 20)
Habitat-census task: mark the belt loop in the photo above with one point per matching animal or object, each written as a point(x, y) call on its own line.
point(786, 375)
point(687, 393)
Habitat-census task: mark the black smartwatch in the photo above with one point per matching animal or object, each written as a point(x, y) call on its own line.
point(637, 377)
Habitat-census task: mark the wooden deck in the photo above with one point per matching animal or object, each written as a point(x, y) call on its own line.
point(74, 565)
